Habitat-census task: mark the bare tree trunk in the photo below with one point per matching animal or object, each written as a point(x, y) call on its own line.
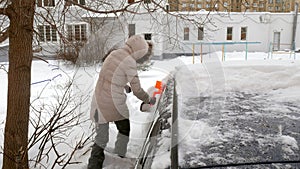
point(21, 14)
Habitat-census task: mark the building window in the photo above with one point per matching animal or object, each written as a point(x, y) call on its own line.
point(229, 33)
point(131, 29)
point(276, 41)
point(81, 2)
point(270, 1)
point(243, 33)
point(186, 34)
point(44, 3)
point(41, 33)
point(77, 32)
point(192, 5)
point(277, 8)
point(225, 4)
point(167, 7)
point(207, 5)
point(199, 5)
point(200, 33)
point(270, 8)
point(184, 5)
point(148, 36)
point(278, 1)
point(47, 33)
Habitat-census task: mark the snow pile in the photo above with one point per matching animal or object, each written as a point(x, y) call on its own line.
point(289, 145)
point(230, 111)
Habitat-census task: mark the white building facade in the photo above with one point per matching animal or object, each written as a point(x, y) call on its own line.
point(261, 32)
point(58, 23)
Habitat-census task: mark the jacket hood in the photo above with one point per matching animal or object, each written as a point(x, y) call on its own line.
point(138, 46)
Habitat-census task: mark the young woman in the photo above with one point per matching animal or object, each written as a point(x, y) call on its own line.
point(109, 100)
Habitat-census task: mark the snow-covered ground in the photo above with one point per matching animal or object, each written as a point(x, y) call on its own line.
point(236, 112)
point(226, 108)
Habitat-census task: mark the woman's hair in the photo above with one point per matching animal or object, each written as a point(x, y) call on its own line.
point(147, 56)
point(108, 52)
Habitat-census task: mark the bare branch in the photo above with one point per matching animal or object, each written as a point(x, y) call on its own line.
point(3, 11)
point(39, 58)
point(49, 133)
point(123, 9)
point(7, 9)
point(2, 67)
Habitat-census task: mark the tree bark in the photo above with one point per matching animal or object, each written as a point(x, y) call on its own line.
point(20, 13)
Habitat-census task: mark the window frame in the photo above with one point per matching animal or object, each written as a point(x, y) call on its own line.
point(78, 32)
point(47, 33)
point(229, 36)
point(186, 33)
point(148, 36)
point(244, 33)
point(45, 3)
point(131, 32)
point(81, 2)
point(200, 33)
point(270, 8)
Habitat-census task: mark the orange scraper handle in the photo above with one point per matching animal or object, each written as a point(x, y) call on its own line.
point(158, 86)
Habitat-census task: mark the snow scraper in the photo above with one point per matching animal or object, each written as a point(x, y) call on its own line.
point(157, 91)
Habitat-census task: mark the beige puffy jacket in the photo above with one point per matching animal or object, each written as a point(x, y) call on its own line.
point(119, 68)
